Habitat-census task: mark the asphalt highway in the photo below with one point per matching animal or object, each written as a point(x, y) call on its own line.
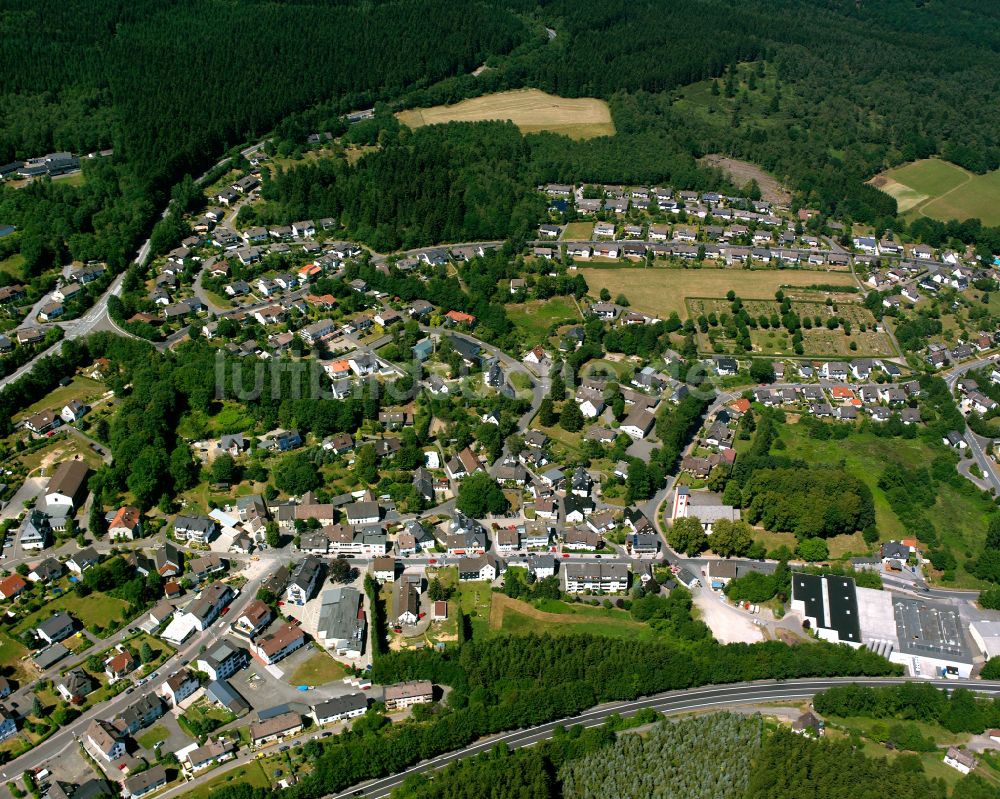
point(707, 698)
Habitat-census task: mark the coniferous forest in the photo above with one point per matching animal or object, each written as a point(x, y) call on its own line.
point(851, 88)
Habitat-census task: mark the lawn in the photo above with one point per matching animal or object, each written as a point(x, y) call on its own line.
point(535, 318)
point(567, 443)
point(318, 669)
point(11, 652)
point(475, 599)
point(203, 709)
point(152, 736)
point(578, 231)
point(942, 190)
point(251, 775)
point(959, 518)
point(530, 109)
point(661, 291)
point(81, 388)
point(554, 616)
point(13, 266)
point(95, 609)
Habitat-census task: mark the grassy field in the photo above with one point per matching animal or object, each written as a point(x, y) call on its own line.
point(82, 388)
point(251, 775)
point(13, 266)
point(661, 291)
point(474, 599)
point(817, 341)
point(152, 736)
point(95, 608)
point(578, 231)
point(941, 190)
point(530, 109)
point(318, 669)
point(561, 618)
point(535, 318)
point(960, 519)
point(11, 652)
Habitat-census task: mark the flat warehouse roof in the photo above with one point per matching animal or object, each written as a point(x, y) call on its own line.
point(808, 588)
point(843, 605)
point(930, 629)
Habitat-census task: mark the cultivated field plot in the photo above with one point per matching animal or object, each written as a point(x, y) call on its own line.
point(530, 109)
point(661, 291)
point(770, 339)
point(941, 190)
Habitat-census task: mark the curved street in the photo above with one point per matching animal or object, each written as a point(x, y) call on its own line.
point(689, 701)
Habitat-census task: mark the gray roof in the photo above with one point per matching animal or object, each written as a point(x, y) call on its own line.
point(338, 615)
point(222, 692)
point(340, 705)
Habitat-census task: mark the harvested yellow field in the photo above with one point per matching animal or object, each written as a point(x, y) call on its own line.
point(530, 109)
point(659, 291)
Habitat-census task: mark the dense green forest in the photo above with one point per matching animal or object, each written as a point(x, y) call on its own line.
point(706, 756)
point(715, 756)
point(169, 86)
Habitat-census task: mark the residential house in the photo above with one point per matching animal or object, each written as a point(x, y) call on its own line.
point(73, 411)
point(105, 741)
point(275, 728)
point(144, 782)
point(960, 760)
point(304, 579)
point(253, 619)
point(406, 694)
point(178, 687)
point(13, 586)
point(36, 531)
point(125, 525)
point(209, 754)
point(139, 714)
point(46, 570)
point(340, 708)
point(80, 561)
point(55, 628)
point(75, 685)
point(609, 578)
point(481, 567)
point(222, 660)
point(274, 646)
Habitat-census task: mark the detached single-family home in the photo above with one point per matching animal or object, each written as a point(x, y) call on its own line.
point(125, 525)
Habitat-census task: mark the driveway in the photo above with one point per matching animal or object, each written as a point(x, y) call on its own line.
point(728, 625)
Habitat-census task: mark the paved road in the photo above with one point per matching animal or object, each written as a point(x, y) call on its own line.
point(708, 698)
point(68, 736)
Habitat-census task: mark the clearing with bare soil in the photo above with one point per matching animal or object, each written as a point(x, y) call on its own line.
point(742, 172)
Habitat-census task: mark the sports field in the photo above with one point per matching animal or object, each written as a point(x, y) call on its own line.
point(661, 291)
point(530, 109)
point(941, 190)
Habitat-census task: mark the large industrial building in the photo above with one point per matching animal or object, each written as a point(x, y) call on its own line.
point(926, 637)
